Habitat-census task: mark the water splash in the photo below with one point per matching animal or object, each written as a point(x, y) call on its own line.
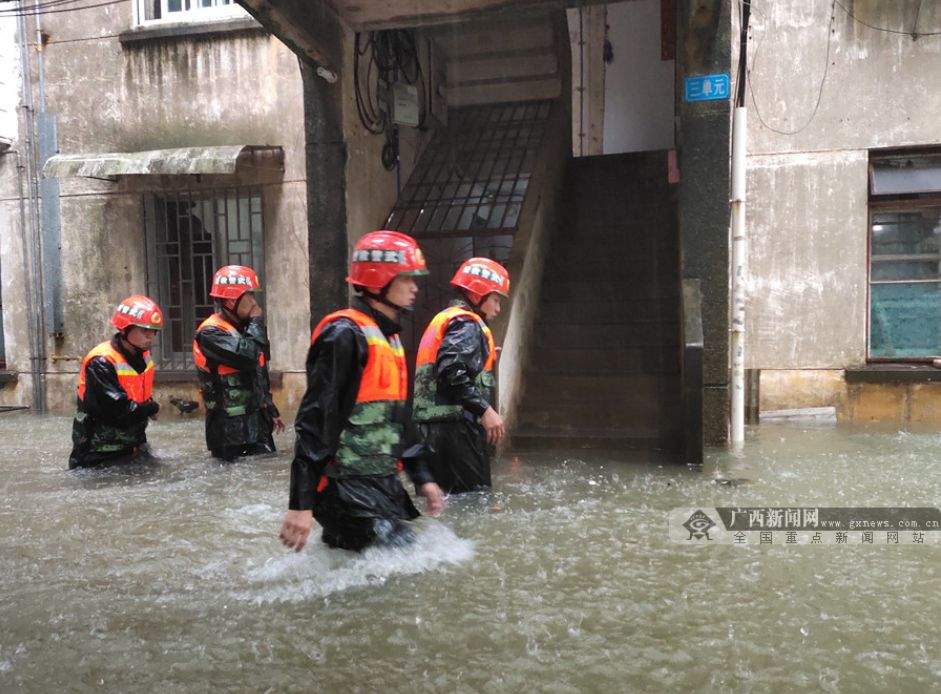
point(320, 571)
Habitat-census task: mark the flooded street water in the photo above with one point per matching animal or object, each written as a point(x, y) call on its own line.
point(169, 576)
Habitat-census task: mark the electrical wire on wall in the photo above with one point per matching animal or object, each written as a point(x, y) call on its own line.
point(753, 63)
point(382, 59)
point(49, 7)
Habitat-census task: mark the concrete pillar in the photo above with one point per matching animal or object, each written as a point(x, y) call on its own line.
point(326, 192)
point(703, 130)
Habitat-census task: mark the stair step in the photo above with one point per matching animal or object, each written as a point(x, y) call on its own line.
point(628, 337)
point(654, 419)
point(595, 288)
point(621, 390)
point(598, 260)
point(651, 231)
point(662, 310)
point(532, 438)
point(660, 273)
point(578, 360)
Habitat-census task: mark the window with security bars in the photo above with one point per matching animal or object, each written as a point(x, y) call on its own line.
point(905, 257)
point(473, 176)
point(189, 235)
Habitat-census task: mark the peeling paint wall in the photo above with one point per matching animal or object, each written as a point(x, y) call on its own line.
point(227, 88)
point(807, 185)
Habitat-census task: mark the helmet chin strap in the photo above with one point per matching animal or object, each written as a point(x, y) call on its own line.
point(231, 313)
point(126, 341)
point(382, 299)
point(470, 300)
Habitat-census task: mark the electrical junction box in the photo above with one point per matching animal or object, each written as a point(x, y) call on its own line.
point(405, 107)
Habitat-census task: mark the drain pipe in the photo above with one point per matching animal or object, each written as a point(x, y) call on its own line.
point(739, 269)
point(739, 240)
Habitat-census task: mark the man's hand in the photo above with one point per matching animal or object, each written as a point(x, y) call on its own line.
point(296, 528)
point(278, 424)
point(493, 425)
point(434, 496)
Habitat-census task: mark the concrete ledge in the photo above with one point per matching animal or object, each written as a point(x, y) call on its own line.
point(190, 377)
point(189, 29)
point(893, 373)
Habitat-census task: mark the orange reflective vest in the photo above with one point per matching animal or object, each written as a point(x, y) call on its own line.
point(100, 437)
point(369, 441)
point(202, 363)
point(427, 405)
point(138, 386)
point(225, 389)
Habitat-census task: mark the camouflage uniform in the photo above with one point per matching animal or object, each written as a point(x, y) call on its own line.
point(109, 427)
point(345, 466)
point(451, 394)
point(239, 410)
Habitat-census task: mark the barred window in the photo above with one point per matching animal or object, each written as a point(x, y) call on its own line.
point(189, 235)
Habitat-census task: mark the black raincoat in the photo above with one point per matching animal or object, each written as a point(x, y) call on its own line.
point(106, 404)
point(229, 436)
point(457, 452)
point(354, 511)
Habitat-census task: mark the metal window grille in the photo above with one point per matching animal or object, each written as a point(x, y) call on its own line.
point(474, 175)
point(465, 194)
point(189, 235)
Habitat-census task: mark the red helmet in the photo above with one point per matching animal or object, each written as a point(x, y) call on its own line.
point(231, 281)
point(381, 255)
point(137, 310)
point(482, 276)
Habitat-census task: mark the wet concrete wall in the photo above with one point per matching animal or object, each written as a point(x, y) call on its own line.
point(539, 219)
point(808, 176)
point(112, 90)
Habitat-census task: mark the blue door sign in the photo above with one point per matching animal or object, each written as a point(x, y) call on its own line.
point(706, 88)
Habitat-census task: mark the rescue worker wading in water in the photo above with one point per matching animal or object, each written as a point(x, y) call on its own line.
point(454, 384)
point(353, 426)
point(115, 389)
point(231, 353)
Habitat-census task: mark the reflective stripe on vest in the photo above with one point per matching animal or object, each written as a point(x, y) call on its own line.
point(138, 386)
point(369, 441)
point(429, 405)
point(200, 359)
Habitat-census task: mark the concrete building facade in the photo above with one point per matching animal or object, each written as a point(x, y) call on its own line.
point(158, 140)
point(843, 97)
point(137, 77)
point(107, 80)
